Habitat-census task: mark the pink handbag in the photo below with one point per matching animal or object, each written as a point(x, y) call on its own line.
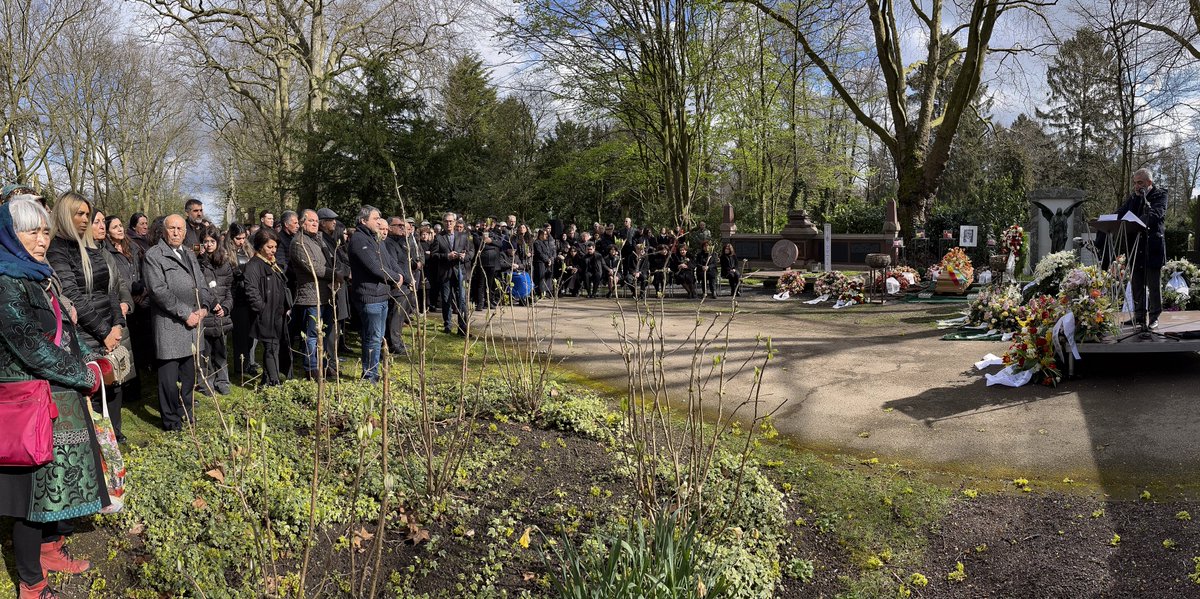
point(27, 412)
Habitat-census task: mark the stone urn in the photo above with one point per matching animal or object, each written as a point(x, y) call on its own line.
point(879, 261)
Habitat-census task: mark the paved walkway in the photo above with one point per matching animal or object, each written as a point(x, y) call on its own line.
point(878, 381)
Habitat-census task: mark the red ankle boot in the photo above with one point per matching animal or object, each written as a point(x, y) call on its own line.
point(56, 559)
point(40, 590)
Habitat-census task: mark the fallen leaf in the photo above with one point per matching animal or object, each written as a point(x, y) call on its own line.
point(199, 503)
point(418, 536)
point(137, 529)
point(526, 428)
point(216, 474)
point(361, 536)
point(528, 576)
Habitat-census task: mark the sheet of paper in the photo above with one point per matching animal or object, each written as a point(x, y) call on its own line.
point(1132, 218)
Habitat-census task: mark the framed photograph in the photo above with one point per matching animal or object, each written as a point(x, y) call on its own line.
point(968, 236)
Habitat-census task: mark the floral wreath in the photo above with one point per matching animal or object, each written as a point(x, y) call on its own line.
point(829, 283)
point(791, 281)
point(1011, 241)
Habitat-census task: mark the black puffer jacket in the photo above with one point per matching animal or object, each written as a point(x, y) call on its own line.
point(220, 284)
point(99, 310)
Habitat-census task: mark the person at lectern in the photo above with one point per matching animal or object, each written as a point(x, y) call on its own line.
point(1149, 203)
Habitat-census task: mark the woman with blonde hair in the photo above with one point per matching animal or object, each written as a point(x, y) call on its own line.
point(89, 284)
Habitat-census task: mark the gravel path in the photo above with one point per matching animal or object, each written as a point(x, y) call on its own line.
point(877, 381)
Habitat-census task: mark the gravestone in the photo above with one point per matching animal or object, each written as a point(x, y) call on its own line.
point(1056, 217)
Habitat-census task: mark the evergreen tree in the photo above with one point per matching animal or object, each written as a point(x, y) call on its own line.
point(369, 130)
point(1083, 81)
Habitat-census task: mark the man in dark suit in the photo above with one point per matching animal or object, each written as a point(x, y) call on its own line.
point(1149, 203)
point(454, 251)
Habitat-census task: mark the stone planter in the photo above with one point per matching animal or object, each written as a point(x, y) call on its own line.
point(879, 261)
point(998, 263)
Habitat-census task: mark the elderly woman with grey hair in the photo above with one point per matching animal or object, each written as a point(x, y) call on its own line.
point(41, 351)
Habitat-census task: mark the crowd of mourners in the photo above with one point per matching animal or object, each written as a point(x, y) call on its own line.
point(88, 300)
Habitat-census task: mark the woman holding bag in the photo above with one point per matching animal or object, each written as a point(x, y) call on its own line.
point(39, 349)
point(218, 275)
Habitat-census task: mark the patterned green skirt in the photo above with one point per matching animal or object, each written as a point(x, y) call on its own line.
point(73, 484)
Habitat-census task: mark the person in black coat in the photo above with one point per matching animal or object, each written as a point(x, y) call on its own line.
point(429, 292)
point(636, 271)
point(239, 251)
point(217, 273)
point(685, 271)
point(729, 269)
point(403, 299)
point(570, 275)
point(126, 257)
point(659, 264)
point(374, 276)
point(612, 270)
point(1149, 203)
point(454, 253)
point(82, 269)
point(488, 267)
point(334, 233)
point(544, 253)
point(593, 269)
point(267, 295)
point(706, 269)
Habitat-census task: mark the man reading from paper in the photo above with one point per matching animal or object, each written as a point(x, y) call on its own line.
point(1149, 203)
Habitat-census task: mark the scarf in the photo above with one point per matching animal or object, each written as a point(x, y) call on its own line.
point(15, 261)
point(271, 263)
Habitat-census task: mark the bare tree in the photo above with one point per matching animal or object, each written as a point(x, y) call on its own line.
point(1165, 17)
point(652, 64)
point(919, 134)
point(281, 57)
point(28, 30)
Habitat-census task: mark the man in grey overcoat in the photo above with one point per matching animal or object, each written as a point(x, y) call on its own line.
point(179, 301)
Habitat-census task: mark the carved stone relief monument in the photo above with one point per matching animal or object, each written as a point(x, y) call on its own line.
point(1057, 217)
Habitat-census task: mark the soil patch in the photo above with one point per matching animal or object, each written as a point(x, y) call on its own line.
point(1054, 545)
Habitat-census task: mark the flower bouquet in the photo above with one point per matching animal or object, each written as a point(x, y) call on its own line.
point(996, 308)
point(1049, 273)
point(852, 292)
point(956, 272)
point(1085, 292)
point(829, 283)
point(791, 281)
point(1033, 345)
point(913, 277)
point(1011, 241)
point(1180, 279)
